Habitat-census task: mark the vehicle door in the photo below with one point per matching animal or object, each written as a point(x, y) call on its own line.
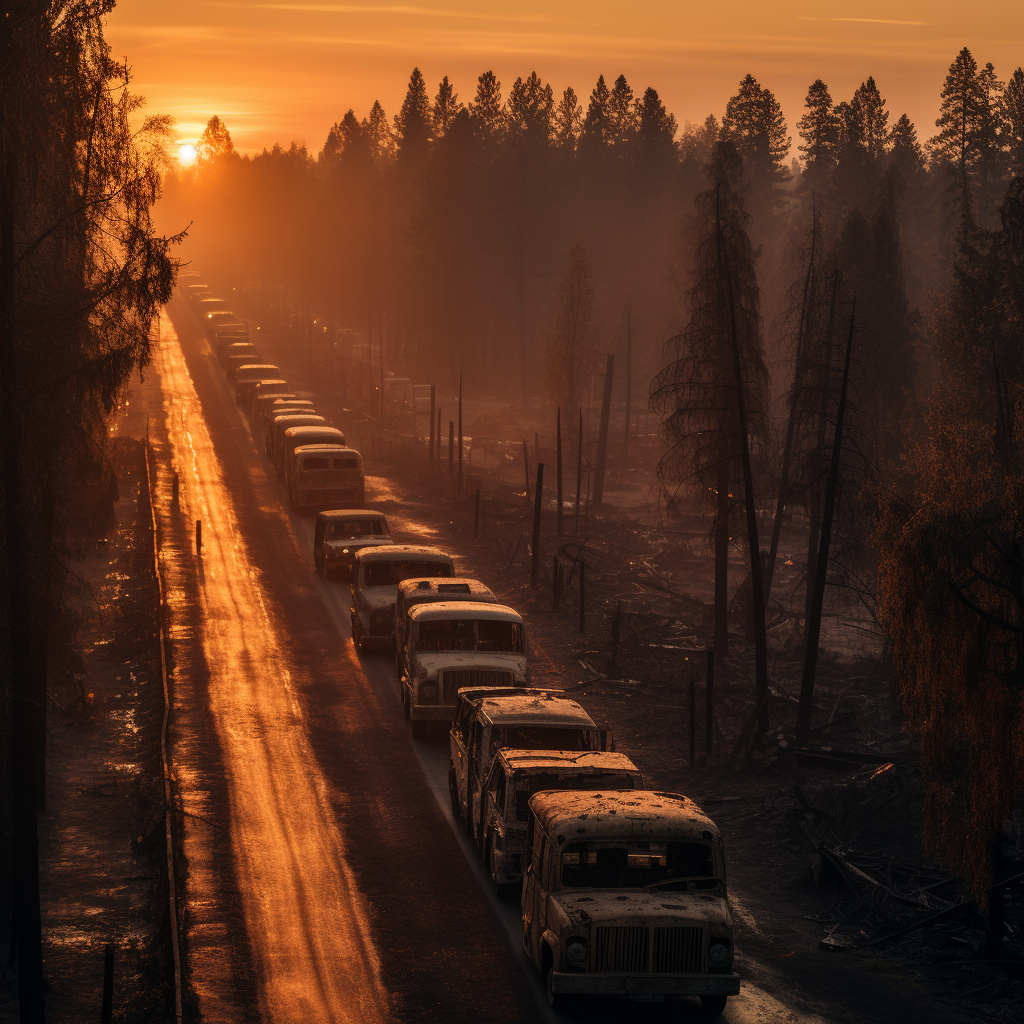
point(459, 734)
point(492, 802)
point(477, 753)
point(538, 895)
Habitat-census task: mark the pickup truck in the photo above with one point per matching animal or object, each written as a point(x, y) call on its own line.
point(624, 896)
point(517, 775)
point(488, 718)
point(454, 644)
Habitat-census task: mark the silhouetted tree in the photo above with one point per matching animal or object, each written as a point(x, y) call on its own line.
point(567, 120)
point(446, 107)
point(487, 112)
point(413, 122)
point(571, 349)
point(818, 128)
point(1012, 112)
point(754, 123)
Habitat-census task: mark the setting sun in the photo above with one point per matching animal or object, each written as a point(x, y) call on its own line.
point(186, 154)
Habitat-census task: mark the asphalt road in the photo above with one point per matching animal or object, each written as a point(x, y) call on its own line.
point(327, 879)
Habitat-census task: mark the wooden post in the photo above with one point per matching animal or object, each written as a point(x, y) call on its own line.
point(460, 435)
point(579, 475)
point(199, 537)
point(451, 447)
point(107, 1008)
point(583, 597)
point(430, 449)
point(629, 380)
point(526, 469)
point(476, 516)
point(439, 422)
point(558, 473)
point(556, 583)
point(688, 672)
point(602, 438)
point(538, 499)
point(709, 704)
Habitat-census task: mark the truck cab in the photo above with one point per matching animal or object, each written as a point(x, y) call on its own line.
point(516, 776)
point(488, 718)
point(624, 895)
point(340, 533)
point(325, 476)
point(430, 591)
point(376, 574)
point(453, 644)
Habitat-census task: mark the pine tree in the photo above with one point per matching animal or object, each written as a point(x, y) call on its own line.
point(344, 140)
point(1012, 110)
point(378, 135)
point(696, 141)
point(622, 115)
point(656, 129)
point(872, 118)
point(446, 108)
point(962, 113)
point(567, 121)
point(412, 122)
point(597, 123)
point(818, 127)
point(529, 109)
point(754, 123)
point(848, 126)
point(904, 148)
point(487, 112)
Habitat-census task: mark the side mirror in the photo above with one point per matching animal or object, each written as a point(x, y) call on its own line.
point(607, 740)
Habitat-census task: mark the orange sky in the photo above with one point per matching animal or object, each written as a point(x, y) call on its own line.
point(284, 70)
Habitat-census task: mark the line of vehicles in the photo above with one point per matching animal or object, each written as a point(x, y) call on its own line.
point(622, 889)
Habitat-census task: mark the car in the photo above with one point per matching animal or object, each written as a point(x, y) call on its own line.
point(624, 895)
point(244, 350)
point(295, 437)
point(488, 718)
point(427, 591)
point(262, 407)
point(266, 386)
point(376, 573)
point(517, 775)
point(340, 533)
point(247, 376)
point(453, 644)
point(324, 476)
point(281, 421)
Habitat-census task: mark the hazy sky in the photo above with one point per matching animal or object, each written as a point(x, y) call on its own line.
point(284, 71)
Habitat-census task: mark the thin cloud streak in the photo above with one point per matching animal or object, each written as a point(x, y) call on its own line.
point(869, 21)
point(419, 12)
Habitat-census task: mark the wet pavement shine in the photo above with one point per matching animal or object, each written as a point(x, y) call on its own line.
point(324, 881)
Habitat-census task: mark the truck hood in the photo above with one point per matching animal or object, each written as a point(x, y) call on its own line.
point(356, 544)
point(602, 906)
point(379, 598)
point(427, 665)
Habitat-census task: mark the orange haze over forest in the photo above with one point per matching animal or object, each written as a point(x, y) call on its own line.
point(286, 71)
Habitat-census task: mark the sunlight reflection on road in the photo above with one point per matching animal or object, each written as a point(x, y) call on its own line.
point(306, 921)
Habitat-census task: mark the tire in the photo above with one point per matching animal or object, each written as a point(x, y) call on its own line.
point(556, 1000)
point(357, 632)
point(453, 792)
point(713, 1006)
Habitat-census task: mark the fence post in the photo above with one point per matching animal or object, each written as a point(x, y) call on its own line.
point(688, 671)
point(476, 517)
point(709, 704)
point(538, 498)
point(451, 447)
point(558, 460)
point(107, 1011)
point(583, 597)
point(556, 583)
point(430, 449)
point(199, 537)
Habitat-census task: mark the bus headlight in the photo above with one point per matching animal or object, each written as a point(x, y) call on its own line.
point(576, 952)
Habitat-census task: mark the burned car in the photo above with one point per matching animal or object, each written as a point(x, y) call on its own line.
point(340, 533)
point(248, 375)
point(376, 574)
point(624, 895)
point(488, 718)
point(454, 644)
point(517, 775)
point(325, 476)
point(429, 591)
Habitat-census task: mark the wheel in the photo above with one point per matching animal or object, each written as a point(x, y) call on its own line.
point(714, 1006)
point(357, 632)
point(503, 890)
point(453, 792)
point(556, 1000)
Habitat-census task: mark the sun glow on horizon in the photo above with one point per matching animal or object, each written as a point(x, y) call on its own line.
point(186, 154)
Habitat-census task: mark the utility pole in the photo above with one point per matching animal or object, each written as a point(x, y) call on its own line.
point(629, 380)
point(460, 435)
point(602, 441)
point(558, 471)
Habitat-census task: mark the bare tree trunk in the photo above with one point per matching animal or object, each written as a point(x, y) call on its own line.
point(558, 473)
point(756, 576)
point(602, 440)
point(722, 560)
point(803, 720)
point(629, 381)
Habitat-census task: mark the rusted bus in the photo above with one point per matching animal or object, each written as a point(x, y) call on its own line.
point(247, 376)
point(324, 476)
point(280, 422)
point(624, 895)
point(296, 436)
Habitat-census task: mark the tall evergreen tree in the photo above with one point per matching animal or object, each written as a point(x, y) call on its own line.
point(904, 148)
point(487, 112)
point(872, 118)
point(622, 115)
point(571, 349)
point(215, 142)
point(817, 127)
point(597, 123)
point(446, 108)
point(754, 123)
point(654, 140)
point(412, 122)
point(529, 109)
point(567, 120)
point(1012, 111)
point(378, 135)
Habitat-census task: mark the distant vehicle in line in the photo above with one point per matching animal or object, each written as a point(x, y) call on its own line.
point(280, 422)
point(488, 718)
point(297, 436)
point(238, 350)
point(340, 533)
point(454, 644)
point(624, 895)
point(429, 591)
point(209, 304)
point(262, 408)
point(264, 388)
point(376, 574)
point(214, 318)
point(246, 377)
point(517, 775)
point(325, 476)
